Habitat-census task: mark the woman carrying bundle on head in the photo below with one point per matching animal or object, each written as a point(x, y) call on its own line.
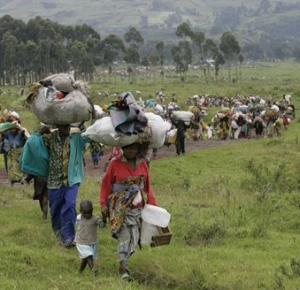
point(124, 191)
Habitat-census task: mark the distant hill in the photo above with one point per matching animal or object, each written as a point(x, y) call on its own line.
point(158, 19)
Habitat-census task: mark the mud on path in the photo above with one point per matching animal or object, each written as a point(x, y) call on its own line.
point(92, 171)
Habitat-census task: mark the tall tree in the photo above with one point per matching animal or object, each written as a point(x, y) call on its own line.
point(210, 50)
point(79, 58)
point(153, 58)
point(184, 30)
point(182, 56)
point(111, 47)
point(132, 57)
point(133, 37)
point(47, 38)
point(9, 43)
point(27, 53)
point(240, 59)
point(84, 31)
point(160, 46)
point(230, 48)
point(219, 60)
point(198, 41)
point(16, 28)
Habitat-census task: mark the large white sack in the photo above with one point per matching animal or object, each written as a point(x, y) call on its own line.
point(159, 129)
point(185, 116)
point(73, 108)
point(104, 132)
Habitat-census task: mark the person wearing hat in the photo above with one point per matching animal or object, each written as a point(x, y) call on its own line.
point(124, 191)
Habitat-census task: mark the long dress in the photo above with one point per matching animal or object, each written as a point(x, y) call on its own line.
point(120, 186)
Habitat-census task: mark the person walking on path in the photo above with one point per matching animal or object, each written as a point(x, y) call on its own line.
point(15, 140)
point(39, 184)
point(58, 156)
point(124, 191)
point(181, 135)
point(40, 192)
point(96, 150)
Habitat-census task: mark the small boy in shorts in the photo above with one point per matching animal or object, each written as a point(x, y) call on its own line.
point(86, 235)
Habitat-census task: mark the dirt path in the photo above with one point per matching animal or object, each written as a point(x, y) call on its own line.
point(162, 152)
point(92, 171)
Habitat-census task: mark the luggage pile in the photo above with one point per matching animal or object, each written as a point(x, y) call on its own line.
point(128, 122)
point(60, 100)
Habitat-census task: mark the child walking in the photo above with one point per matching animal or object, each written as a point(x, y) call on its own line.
point(86, 235)
point(96, 150)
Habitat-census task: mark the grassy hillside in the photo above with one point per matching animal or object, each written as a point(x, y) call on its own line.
point(234, 209)
point(117, 16)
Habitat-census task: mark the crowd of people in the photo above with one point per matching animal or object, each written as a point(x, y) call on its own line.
point(234, 118)
point(54, 159)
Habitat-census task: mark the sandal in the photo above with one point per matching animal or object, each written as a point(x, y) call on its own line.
point(126, 276)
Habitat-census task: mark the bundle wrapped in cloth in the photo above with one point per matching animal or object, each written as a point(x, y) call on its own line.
point(60, 100)
point(128, 123)
point(128, 117)
point(103, 131)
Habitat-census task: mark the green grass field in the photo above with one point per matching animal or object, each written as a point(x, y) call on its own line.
point(234, 208)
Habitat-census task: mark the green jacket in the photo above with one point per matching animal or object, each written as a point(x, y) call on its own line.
point(35, 157)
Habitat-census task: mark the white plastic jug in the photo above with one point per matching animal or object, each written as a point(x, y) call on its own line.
point(147, 232)
point(155, 215)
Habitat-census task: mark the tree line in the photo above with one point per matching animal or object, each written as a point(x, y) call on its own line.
point(33, 50)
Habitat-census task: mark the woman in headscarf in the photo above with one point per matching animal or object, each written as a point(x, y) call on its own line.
point(14, 139)
point(124, 191)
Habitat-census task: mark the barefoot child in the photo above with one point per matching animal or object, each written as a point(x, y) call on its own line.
point(86, 235)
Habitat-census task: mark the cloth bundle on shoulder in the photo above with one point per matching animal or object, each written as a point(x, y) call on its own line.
point(60, 100)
